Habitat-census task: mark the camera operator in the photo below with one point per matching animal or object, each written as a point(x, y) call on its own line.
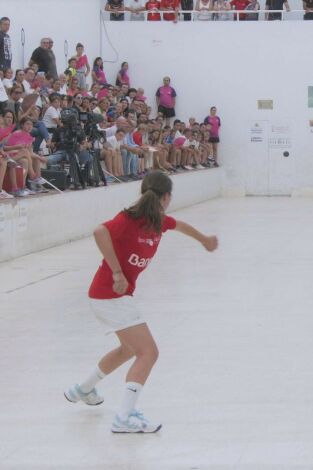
point(68, 139)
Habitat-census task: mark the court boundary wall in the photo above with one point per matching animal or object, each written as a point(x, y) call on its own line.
point(37, 223)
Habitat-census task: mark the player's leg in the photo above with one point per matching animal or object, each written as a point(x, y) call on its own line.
point(128, 419)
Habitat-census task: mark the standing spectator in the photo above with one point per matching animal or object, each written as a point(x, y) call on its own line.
point(136, 7)
point(275, 5)
point(223, 7)
point(166, 100)
point(308, 8)
point(204, 8)
point(116, 9)
point(253, 6)
point(122, 76)
point(5, 44)
point(240, 5)
point(187, 5)
point(41, 56)
point(98, 74)
point(215, 123)
point(82, 66)
point(170, 6)
point(153, 6)
point(52, 71)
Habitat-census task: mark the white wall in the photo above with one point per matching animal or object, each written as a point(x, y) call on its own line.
point(34, 224)
point(71, 20)
point(230, 65)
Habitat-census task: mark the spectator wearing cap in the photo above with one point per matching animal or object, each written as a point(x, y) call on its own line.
point(166, 100)
point(5, 44)
point(82, 66)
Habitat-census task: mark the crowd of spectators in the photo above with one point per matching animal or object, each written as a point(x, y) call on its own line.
point(204, 10)
point(34, 101)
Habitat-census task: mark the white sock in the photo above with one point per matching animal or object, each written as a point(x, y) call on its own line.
point(130, 398)
point(92, 380)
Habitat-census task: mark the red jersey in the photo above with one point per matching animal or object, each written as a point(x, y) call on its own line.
point(172, 4)
point(240, 5)
point(134, 247)
point(137, 138)
point(153, 5)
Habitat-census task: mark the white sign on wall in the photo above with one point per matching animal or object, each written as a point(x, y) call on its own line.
point(257, 132)
point(280, 135)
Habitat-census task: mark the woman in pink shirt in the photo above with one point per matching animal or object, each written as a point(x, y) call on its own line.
point(166, 100)
point(122, 76)
point(97, 74)
point(82, 66)
point(215, 123)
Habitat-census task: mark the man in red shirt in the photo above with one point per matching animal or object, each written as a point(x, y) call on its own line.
point(240, 5)
point(170, 5)
point(153, 6)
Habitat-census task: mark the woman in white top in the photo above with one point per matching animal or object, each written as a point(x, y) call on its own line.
point(204, 7)
point(51, 118)
point(222, 6)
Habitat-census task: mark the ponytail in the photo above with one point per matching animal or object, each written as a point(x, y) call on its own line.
point(149, 208)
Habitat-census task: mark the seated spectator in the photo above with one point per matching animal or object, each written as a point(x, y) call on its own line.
point(240, 5)
point(73, 88)
point(3, 169)
point(19, 147)
point(56, 87)
point(19, 79)
point(116, 9)
point(98, 74)
point(253, 6)
point(140, 95)
point(153, 6)
point(82, 66)
point(94, 90)
point(51, 117)
point(204, 7)
point(39, 131)
point(122, 76)
point(63, 84)
point(3, 97)
point(170, 6)
point(29, 81)
point(86, 104)
point(308, 8)
point(275, 5)
point(8, 79)
point(136, 7)
point(112, 153)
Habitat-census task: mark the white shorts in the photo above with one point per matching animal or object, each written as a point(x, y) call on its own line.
point(117, 314)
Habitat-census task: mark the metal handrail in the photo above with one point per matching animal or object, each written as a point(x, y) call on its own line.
point(233, 14)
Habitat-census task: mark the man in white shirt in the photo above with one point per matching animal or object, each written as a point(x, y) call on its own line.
point(3, 97)
point(28, 81)
point(112, 153)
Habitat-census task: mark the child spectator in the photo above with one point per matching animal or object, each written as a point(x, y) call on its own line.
point(215, 123)
point(63, 84)
point(51, 118)
point(98, 74)
point(71, 71)
point(82, 66)
point(122, 76)
point(140, 95)
point(153, 6)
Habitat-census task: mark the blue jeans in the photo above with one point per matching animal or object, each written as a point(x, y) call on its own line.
point(62, 156)
point(40, 133)
point(130, 162)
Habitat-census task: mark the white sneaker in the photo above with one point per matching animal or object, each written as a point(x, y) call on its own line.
point(135, 423)
point(74, 394)
point(5, 195)
point(189, 167)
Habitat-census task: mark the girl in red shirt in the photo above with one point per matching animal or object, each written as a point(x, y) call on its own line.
point(128, 243)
